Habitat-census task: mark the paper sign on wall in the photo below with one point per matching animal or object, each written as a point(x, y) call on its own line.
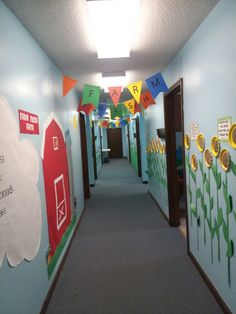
point(194, 131)
point(223, 126)
point(20, 206)
point(29, 122)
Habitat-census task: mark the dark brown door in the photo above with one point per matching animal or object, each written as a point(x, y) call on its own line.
point(94, 152)
point(138, 146)
point(174, 125)
point(114, 139)
point(84, 156)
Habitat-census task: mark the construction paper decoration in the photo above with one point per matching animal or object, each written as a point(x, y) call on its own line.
point(125, 111)
point(232, 136)
point(135, 90)
point(68, 84)
point(116, 112)
point(29, 122)
point(156, 84)
point(115, 93)
point(104, 124)
point(20, 204)
point(87, 109)
point(117, 123)
point(146, 99)
point(225, 159)
point(56, 181)
point(123, 122)
point(102, 108)
point(130, 104)
point(91, 95)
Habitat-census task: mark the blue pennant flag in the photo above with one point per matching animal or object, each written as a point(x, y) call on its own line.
point(102, 107)
point(123, 122)
point(156, 84)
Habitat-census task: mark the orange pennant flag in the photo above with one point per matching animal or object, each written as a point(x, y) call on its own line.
point(136, 89)
point(137, 108)
point(146, 99)
point(130, 105)
point(68, 84)
point(115, 93)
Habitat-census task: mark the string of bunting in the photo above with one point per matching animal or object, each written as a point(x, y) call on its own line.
point(91, 94)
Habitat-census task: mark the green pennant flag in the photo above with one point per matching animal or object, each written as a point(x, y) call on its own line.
point(116, 111)
point(125, 111)
point(91, 95)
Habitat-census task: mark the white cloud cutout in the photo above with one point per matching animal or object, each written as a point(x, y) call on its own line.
point(20, 205)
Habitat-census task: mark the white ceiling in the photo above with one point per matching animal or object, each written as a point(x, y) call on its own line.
point(61, 27)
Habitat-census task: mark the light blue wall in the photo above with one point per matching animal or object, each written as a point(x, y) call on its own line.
point(207, 65)
point(124, 142)
point(98, 145)
point(30, 81)
point(142, 127)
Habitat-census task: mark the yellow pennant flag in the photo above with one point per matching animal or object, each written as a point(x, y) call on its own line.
point(117, 123)
point(130, 104)
point(136, 89)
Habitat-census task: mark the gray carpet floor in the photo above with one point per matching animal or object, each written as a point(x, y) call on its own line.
point(126, 259)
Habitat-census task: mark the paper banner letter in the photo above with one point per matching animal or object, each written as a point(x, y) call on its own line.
point(115, 93)
point(146, 99)
point(102, 107)
point(156, 84)
point(91, 95)
point(116, 112)
point(135, 90)
point(130, 105)
point(68, 84)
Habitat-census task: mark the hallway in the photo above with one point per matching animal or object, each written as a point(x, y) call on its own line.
point(125, 258)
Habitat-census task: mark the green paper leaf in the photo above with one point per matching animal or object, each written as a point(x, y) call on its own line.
point(207, 186)
point(201, 166)
point(229, 204)
point(217, 230)
point(218, 180)
point(214, 170)
point(204, 178)
point(212, 203)
point(230, 249)
point(225, 231)
point(220, 216)
point(193, 209)
point(225, 193)
point(198, 192)
point(233, 167)
point(193, 175)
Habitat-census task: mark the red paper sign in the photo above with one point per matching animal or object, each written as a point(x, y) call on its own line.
point(115, 93)
point(29, 122)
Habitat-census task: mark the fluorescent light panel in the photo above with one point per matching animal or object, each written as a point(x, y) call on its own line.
point(113, 79)
point(113, 23)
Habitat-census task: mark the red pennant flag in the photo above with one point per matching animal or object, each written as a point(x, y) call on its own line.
point(68, 84)
point(137, 108)
point(115, 93)
point(105, 124)
point(146, 99)
point(87, 109)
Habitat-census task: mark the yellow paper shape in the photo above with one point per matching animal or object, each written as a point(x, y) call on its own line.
point(135, 90)
point(75, 122)
point(130, 104)
point(117, 123)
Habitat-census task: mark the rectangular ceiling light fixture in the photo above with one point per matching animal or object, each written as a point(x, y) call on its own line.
point(113, 25)
point(113, 79)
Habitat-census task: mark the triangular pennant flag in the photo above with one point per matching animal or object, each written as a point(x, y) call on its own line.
point(91, 95)
point(137, 108)
point(104, 124)
point(117, 123)
point(123, 122)
point(115, 93)
point(156, 84)
point(102, 107)
point(128, 119)
point(130, 105)
point(116, 111)
point(87, 109)
point(146, 99)
point(68, 84)
point(135, 90)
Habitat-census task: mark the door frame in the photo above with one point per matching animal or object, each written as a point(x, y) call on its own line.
point(84, 156)
point(128, 137)
point(174, 219)
point(138, 146)
point(94, 151)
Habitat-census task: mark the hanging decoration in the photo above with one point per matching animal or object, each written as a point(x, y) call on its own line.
point(102, 108)
point(129, 104)
point(135, 90)
point(156, 84)
point(91, 95)
point(137, 108)
point(68, 84)
point(87, 109)
point(115, 93)
point(116, 112)
point(146, 99)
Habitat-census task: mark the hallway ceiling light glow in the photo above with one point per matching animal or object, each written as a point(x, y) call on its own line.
point(113, 24)
point(113, 79)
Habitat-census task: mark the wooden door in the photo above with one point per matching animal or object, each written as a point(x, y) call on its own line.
point(114, 139)
point(84, 156)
